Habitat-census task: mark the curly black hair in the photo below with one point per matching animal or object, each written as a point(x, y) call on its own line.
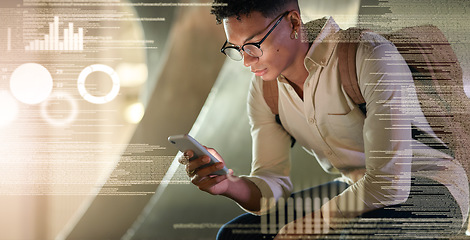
point(227, 8)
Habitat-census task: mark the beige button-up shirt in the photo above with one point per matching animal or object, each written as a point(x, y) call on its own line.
point(375, 154)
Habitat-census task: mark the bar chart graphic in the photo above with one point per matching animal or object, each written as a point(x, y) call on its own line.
point(67, 40)
point(9, 39)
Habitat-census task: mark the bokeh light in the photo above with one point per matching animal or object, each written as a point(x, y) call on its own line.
point(8, 107)
point(135, 112)
point(132, 74)
point(31, 83)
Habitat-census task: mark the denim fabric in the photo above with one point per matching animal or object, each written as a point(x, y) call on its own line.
point(430, 212)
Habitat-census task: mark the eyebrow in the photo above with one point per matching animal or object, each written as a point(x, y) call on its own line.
point(254, 35)
point(249, 38)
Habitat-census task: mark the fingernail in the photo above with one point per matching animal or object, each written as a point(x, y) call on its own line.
point(206, 159)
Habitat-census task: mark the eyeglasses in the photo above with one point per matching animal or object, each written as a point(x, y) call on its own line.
point(252, 49)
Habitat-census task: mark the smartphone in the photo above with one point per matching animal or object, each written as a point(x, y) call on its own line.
point(185, 142)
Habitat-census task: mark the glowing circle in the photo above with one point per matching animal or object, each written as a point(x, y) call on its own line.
point(31, 83)
point(135, 112)
point(98, 68)
point(55, 121)
point(8, 107)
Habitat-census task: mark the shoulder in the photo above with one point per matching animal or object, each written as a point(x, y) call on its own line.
point(367, 41)
point(373, 39)
point(374, 47)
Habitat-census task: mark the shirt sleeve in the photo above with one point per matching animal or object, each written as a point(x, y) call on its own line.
point(270, 167)
point(385, 82)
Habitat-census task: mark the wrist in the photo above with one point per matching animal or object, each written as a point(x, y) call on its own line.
point(232, 187)
point(244, 192)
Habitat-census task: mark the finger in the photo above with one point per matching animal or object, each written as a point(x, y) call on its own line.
point(196, 180)
point(196, 163)
point(205, 171)
point(208, 182)
point(202, 174)
point(215, 154)
point(231, 176)
point(191, 173)
point(183, 159)
point(193, 167)
point(189, 153)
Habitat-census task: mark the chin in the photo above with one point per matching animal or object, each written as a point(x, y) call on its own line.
point(268, 78)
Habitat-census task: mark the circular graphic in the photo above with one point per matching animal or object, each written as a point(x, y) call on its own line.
point(8, 108)
point(98, 68)
point(31, 83)
point(60, 121)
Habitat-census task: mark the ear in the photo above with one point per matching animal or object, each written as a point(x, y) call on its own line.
point(295, 20)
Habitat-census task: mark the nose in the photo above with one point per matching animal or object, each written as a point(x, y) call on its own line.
point(249, 60)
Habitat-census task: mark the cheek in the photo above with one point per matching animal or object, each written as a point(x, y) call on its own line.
point(278, 55)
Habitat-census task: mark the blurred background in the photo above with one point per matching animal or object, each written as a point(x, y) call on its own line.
point(91, 89)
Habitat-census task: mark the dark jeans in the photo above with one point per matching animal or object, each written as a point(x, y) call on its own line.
point(430, 212)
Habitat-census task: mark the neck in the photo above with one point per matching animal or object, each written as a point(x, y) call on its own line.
point(296, 74)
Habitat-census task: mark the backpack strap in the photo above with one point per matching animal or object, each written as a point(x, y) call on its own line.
point(347, 48)
point(271, 97)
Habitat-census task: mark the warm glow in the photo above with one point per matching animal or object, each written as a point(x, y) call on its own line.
point(132, 74)
point(31, 83)
point(135, 112)
point(8, 108)
point(466, 88)
point(344, 12)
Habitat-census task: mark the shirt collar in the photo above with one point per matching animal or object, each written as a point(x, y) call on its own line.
point(322, 47)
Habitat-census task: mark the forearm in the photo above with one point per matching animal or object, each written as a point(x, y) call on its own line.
point(244, 192)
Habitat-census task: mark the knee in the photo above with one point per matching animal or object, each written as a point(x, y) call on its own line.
point(246, 223)
point(225, 233)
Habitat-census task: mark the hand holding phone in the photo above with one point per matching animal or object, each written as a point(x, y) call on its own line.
point(185, 142)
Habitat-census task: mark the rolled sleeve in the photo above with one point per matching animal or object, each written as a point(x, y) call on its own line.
point(270, 167)
point(385, 81)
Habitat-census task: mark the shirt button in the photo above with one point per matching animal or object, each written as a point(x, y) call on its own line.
point(308, 84)
point(290, 88)
point(311, 120)
point(329, 153)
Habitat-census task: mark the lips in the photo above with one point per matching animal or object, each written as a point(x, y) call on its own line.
point(260, 73)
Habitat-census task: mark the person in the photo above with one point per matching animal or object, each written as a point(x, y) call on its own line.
point(391, 186)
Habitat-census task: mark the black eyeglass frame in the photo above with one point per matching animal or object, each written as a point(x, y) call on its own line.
point(256, 44)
